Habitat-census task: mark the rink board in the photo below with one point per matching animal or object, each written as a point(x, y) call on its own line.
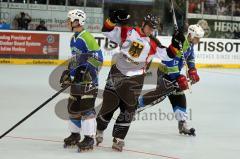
point(105, 63)
point(210, 53)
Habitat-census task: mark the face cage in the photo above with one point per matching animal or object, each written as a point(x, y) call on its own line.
point(150, 24)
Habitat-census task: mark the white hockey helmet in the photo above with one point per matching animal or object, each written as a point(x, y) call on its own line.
point(195, 31)
point(77, 14)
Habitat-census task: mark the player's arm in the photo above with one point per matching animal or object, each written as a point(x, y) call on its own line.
point(82, 66)
point(175, 74)
point(88, 61)
point(176, 48)
point(173, 50)
point(115, 27)
point(192, 71)
point(191, 58)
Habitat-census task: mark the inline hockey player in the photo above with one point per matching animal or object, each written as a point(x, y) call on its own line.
point(171, 70)
point(125, 79)
point(82, 75)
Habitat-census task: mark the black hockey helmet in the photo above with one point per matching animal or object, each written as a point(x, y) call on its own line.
point(151, 20)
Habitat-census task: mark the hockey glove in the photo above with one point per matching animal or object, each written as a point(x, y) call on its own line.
point(83, 83)
point(119, 16)
point(182, 82)
point(85, 74)
point(65, 78)
point(193, 75)
point(176, 47)
point(178, 39)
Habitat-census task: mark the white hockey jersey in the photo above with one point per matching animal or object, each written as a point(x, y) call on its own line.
point(136, 50)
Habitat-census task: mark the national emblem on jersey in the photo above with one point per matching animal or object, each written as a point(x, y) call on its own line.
point(136, 49)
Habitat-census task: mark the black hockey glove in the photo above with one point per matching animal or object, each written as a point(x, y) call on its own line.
point(84, 75)
point(65, 78)
point(178, 39)
point(83, 82)
point(119, 16)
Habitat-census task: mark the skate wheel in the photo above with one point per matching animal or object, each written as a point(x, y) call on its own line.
point(69, 146)
point(85, 150)
point(99, 140)
point(192, 130)
point(98, 143)
point(182, 133)
point(117, 149)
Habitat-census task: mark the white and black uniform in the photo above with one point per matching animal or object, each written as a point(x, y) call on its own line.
point(126, 77)
point(136, 50)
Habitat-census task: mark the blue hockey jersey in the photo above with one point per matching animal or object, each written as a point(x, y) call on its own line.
point(85, 52)
point(174, 67)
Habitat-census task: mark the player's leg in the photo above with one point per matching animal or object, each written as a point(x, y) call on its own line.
point(128, 92)
point(122, 125)
point(109, 106)
point(74, 123)
point(88, 123)
point(178, 101)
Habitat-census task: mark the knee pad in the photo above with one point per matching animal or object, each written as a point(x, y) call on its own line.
point(87, 106)
point(79, 106)
point(74, 107)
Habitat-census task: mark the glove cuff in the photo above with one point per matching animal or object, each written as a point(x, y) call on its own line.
point(173, 51)
point(193, 69)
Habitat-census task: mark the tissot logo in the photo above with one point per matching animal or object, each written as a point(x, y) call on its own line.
point(212, 46)
point(108, 43)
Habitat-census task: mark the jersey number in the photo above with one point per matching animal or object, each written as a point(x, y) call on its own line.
point(135, 49)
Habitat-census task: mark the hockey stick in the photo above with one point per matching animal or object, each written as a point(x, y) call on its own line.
point(34, 111)
point(158, 100)
point(184, 60)
point(174, 16)
point(154, 102)
point(161, 98)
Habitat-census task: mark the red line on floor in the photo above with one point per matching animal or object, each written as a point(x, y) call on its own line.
point(50, 140)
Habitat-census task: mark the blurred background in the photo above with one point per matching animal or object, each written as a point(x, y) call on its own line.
point(219, 18)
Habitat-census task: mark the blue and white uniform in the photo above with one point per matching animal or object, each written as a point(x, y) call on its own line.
point(175, 65)
point(86, 56)
point(87, 53)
